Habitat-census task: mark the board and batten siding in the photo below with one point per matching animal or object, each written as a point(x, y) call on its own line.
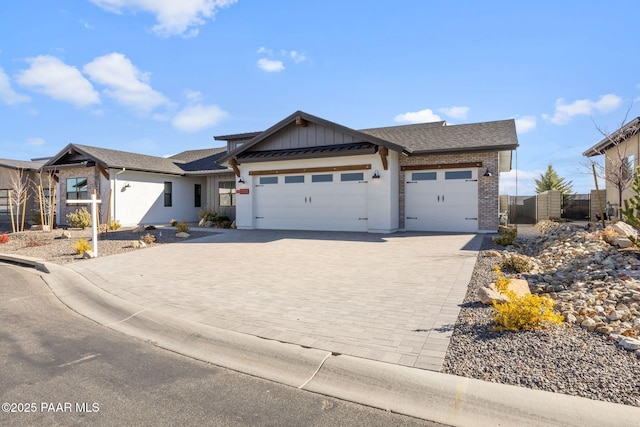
point(212, 196)
point(293, 136)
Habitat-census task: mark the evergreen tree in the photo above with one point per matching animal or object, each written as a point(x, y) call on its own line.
point(631, 210)
point(551, 181)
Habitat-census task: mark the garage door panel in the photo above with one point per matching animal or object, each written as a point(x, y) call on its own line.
point(312, 205)
point(441, 204)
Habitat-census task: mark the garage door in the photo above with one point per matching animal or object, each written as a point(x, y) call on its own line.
point(319, 201)
point(441, 200)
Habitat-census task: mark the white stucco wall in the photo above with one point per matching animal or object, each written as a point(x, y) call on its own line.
point(138, 198)
point(382, 193)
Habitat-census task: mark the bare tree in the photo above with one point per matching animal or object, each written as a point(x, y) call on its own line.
point(46, 197)
point(617, 168)
point(19, 184)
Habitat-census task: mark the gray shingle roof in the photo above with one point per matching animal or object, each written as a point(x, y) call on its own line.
point(200, 161)
point(21, 164)
point(435, 137)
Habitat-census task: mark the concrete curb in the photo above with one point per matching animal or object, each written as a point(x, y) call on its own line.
point(434, 396)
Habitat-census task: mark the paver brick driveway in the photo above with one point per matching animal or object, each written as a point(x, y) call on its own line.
point(392, 298)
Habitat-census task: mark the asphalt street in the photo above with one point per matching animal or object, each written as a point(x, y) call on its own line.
point(60, 368)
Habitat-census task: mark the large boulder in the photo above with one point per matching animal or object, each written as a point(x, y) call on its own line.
point(182, 235)
point(66, 234)
point(624, 229)
point(487, 295)
point(139, 229)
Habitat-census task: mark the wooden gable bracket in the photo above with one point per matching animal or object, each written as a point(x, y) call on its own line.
point(102, 170)
point(301, 122)
point(234, 165)
point(384, 152)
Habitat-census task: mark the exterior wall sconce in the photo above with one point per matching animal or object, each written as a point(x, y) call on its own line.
point(376, 175)
point(241, 180)
point(487, 173)
point(124, 187)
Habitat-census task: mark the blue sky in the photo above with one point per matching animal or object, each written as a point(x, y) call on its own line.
point(163, 76)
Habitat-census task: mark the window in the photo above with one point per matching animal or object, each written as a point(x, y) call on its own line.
point(353, 176)
point(197, 195)
point(168, 192)
point(268, 180)
point(4, 201)
point(423, 176)
point(322, 178)
point(77, 189)
point(294, 179)
point(458, 175)
point(227, 193)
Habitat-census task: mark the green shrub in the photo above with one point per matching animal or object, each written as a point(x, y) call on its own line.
point(516, 263)
point(82, 246)
point(507, 235)
point(182, 227)
point(528, 312)
point(81, 218)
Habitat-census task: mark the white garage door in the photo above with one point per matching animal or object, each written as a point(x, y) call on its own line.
point(441, 200)
point(319, 201)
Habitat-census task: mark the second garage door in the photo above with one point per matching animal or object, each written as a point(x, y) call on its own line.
point(320, 201)
point(441, 200)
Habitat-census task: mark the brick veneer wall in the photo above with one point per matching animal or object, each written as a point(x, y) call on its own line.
point(93, 183)
point(488, 219)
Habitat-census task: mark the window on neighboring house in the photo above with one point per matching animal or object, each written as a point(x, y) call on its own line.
point(77, 189)
point(227, 194)
point(168, 191)
point(4, 201)
point(197, 195)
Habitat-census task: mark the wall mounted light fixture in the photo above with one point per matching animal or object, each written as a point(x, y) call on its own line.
point(487, 173)
point(241, 180)
point(376, 175)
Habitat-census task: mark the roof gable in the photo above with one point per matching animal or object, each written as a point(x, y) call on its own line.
point(310, 131)
point(615, 138)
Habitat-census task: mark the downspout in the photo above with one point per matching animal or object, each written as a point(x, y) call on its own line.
point(115, 192)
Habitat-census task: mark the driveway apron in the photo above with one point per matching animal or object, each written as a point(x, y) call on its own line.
point(391, 298)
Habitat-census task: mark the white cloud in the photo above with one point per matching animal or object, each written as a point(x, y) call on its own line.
point(36, 141)
point(193, 95)
point(60, 81)
point(525, 124)
point(7, 94)
point(265, 50)
point(270, 65)
point(564, 112)
point(297, 57)
point(175, 17)
point(455, 112)
point(125, 83)
point(198, 117)
point(422, 116)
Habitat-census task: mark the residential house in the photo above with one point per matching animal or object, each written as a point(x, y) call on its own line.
point(621, 150)
point(10, 171)
point(137, 188)
point(308, 173)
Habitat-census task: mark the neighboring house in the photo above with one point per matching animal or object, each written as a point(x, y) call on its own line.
point(8, 173)
point(621, 151)
point(307, 173)
point(136, 188)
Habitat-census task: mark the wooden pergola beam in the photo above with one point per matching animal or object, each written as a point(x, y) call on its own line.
point(384, 152)
point(234, 165)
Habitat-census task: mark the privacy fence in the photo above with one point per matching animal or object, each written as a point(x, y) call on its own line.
point(551, 204)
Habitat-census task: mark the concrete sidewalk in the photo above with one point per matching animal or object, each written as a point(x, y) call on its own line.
point(184, 297)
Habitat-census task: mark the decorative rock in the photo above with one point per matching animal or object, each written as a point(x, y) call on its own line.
point(589, 324)
point(208, 224)
point(138, 229)
point(494, 254)
point(233, 225)
point(625, 230)
point(622, 242)
point(629, 343)
point(182, 235)
point(66, 234)
point(88, 254)
point(202, 222)
point(138, 244)
point(615, 315)
point(487, 295)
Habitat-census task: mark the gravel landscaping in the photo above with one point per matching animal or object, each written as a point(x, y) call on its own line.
point(53, 248)
point(569, 359)
point(590, 280)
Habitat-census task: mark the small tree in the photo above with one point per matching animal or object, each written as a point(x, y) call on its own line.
point(19, 184)
point(631, 211)
point(550, 180)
